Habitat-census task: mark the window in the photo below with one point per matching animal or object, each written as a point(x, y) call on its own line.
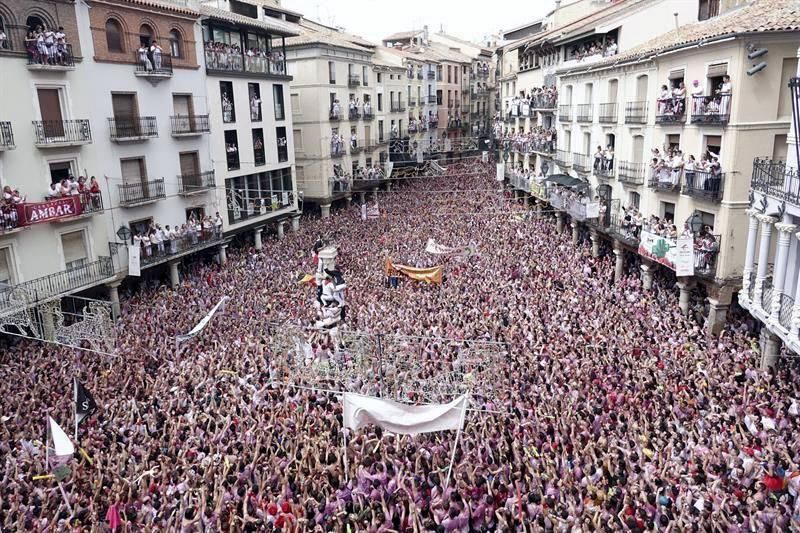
point(438, 73)
point(228, 106)
point(4, 45)
point(380, 130)
point(332, 72)
point(254, 92)
point(712, 144)
point(283, 144)
point(449, 74)
point(259, 158)
point(788, 71)
point(380, 77)
point(298, 140)
point(779, 148)
point(146, 35)
point(175, 44)
point(364, 76)
point(232, 149)
point(708, 220)
point(277, 96)
point(195, 212)
point(708, 9)
point(114, 36)
point(633, 199)
point(438, 97)
point(61, 170)
point(6, 268)
point(380, 101)
point(668, 211)
point(73, 246)
point(294, 100)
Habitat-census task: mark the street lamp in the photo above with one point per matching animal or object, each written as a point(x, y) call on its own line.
point(695, 223)
point(794, 88)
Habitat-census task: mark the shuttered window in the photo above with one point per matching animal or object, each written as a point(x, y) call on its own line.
point(719, 69)
point(73, 245)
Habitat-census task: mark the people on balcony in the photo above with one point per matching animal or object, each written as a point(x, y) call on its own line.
point(353, 108)
point(672, 101)
point(367, 108)
point(538, 139)
point(718, 103)
point(8, 207)
point(336, 109)
point(45, 46)
point(341, 181)
point(353, 140)
point(337, 143)
point(156, 241)
point(593, 48)
point(371, 172)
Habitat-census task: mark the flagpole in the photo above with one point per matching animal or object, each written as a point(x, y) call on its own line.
point(47, 445)
point(64, 495)
point(346, 475)
point(75, 406)
point(455, 444)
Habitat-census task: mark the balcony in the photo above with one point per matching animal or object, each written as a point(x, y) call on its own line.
point(397, 108)
point(144, 192)
point(6, 136)
point(543, 101)
point(631, 173)
point(431, 75)
point(368, 115)
point(61, 61)
point(433, 124)
point(636, 112)
point(563, 158)
point(60, 133)
point(353, 115)
point(66, 281)
point(671, 111)
point(334, 116)
point(711, 110)
point(565, 113)
point(337, 152)
point(604, 170)
point(52, 210)
point(154, 68)
point(194, 183)
point(450, 104)
point(180, 246)
point(227, 63)
point(582, 162)
point(412, 102)
point(353, 81)
point(704, 185)
point(189, 125)
point(584, 113)
point(356, 146)
point(664, 181)
point(132, 129)
point(608, 113)
point(774, 178)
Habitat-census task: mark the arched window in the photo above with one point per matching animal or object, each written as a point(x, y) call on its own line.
point(175, 44)
point(114, 36)
point(5, 43)
point(146, 35)
point(35, 23)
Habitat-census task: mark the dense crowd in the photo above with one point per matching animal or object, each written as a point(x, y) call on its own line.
point(617, 412)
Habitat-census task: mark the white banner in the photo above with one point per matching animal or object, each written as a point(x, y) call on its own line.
point(403, 419)
point(134, 260)
point(432, 247)
point(202, 324)
point(684, 256)
point(364, 211)
point(593, 210)
point(501, 172)
point(388, 167)
point(420, 155)
point(484, 157)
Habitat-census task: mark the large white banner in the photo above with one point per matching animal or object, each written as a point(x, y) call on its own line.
point(134, 260)
point(684, 256)
point(403, 419)
point(202, 324)
point(593, 210)
point(501, 171)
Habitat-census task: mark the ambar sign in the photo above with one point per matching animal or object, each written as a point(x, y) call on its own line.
point(49, 211)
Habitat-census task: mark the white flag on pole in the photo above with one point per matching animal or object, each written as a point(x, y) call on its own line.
point(202, 324)
point(62, 446)
point(400, 418)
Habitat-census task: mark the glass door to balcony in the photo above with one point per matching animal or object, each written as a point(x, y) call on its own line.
point(134, 181)
point(50, 109)
point(190, 171)
point(126, 112)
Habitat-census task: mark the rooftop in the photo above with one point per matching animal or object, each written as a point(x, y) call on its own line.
point(310, 32)
point(274, 26)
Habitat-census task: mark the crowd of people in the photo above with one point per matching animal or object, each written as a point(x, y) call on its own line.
point(157, 241)
point(603, 160)
point(9, 203)
point(672, 100)
point(224, 56)
point(47, 46)
point(671, 168)
point(524, 104)
point(537, 139)
point(614, 411)
point(593, 48)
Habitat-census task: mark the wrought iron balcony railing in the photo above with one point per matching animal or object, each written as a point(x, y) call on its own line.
point(58, 58)
point(775, 179)
point(636, 112)
point(338, 151)
point(353, 80)
point(188, 125)
point(195, 240)
point(631, 173)
point(565, 113)
point(132, 128)
point(581, 162)
point(47, 287)
point(563, 158)
point(6, 136)
point(584, 113)
point(711, 110)
point(431, 75)
point(153, 65)
point(219, 62)
point(356, 146)
point(431, 99)
point(670, 110)
point(412, 102)
point(353, 114)
point(608, 113)
point(132, 194)
point(61, 132)
point(604, 169)
point(704, 185)
point(195, 182)
point(706, 253)
point(368, 115)
point(334, 116)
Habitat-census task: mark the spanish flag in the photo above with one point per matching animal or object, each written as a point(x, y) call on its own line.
point(306, 278)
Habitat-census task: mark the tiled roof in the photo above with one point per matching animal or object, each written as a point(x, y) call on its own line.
point(313, 33)
point(163, 4)
point(402, 36)
point(444, 53)
point(761, 16)
point(272, 25)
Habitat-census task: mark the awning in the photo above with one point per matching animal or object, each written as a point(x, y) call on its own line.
point(564, 180)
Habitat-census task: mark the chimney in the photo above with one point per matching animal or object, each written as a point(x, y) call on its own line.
point(677, 24)
point(425, 34)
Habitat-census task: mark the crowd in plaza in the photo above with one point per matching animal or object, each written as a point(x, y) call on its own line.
point(614, 413)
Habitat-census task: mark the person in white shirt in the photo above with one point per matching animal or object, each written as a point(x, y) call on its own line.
point(688, 169)
point(697, 98)
point(155, 241)
point(52, 191)
point(218, 224)
point(155, 51)
point(143, 59)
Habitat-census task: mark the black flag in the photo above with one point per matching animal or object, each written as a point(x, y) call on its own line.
point(85, 405)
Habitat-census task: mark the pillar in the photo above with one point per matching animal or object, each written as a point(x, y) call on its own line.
point(257, 236)
point(685, 299)
point(375, 193)
point(750, 253)
point(785, 232)
point(113, 295)
point(575, 235)
point(223, 254)
point(281, 232)
point(770, 348)
point(388, 186)
point(325, 210)
point(763, 255)
point(794, 330)
point(538, 209)
point(516, 195)
point(349, 200)
point(174, 274)
point(595, 243)
point(647, 276)
point(559, 222)
point(48, 324)
point(362, 196)
point(295, 223)
point(619, 264)
point(719, 303)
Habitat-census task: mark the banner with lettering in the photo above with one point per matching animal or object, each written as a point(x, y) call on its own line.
point(684, 256)
point(659, 249)
point(38, 213)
